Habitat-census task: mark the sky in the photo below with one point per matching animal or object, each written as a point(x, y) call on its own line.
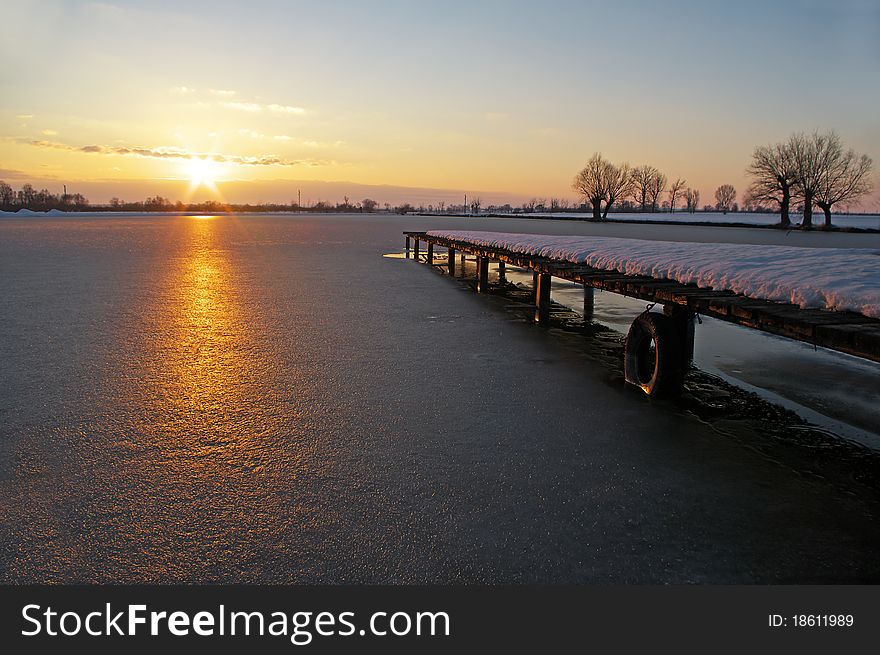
point(248, 101)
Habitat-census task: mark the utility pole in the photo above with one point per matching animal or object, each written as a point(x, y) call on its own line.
point(299, 199)
point(465, 204)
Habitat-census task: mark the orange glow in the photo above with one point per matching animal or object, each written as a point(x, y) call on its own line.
point(203, 171)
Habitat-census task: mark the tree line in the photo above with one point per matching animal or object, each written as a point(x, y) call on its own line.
point(44, 200)
point(27, 197)
point(806, 171)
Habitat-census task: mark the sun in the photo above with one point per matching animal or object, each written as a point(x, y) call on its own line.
point(203, 171)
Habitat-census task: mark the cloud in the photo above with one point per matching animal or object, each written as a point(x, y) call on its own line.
point(24, 117)
point(49, 133)
point(13, 174)
point(255, 107)
point(281, 137)
point(243, 106)
point(226, 93)
point(171, 152)
point(323, 144)
point(182, 90)
point(251, 133)
point(286, 109)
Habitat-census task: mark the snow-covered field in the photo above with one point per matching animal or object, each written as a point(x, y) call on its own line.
point(837, 279)
point(864, 221)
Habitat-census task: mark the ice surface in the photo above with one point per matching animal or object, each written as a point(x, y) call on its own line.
point(829, 278)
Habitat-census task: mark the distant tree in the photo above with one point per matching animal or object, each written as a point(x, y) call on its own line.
point(774, 175)
point(26, 195)
point(846, 177)
point(369, 205)
point(675, 191)
point(692, 199)
point(441, 206)
point(115, 202)
point(600, 182)
point(725, 195)
point(645, 180)
point(475, 205)
point(7, 196)
point(658, 184)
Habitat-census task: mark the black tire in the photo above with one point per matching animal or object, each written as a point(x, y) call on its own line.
point(653, 357)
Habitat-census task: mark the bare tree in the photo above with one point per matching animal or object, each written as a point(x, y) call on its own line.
point(774, 176)
point(7, 196)
point(692, 199)
point(847, 176)
point(369, 205)
point(590, 183)
point(600, 182)
point(725, 196)
point(475, 205)
point(658, 184)
point(618, 185)
point(643, 178)
point(812, 154)
point(675, 190)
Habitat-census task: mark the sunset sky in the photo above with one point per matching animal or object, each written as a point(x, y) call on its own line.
point(117, 98)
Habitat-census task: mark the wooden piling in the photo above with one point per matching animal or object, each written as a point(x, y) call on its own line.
point(407, 247)
point(482, 274)
point(416, 249)
point(589, 302)
point(430, 258)
point(450, 261)
point(542, 299)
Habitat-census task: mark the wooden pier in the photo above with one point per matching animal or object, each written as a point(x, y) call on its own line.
point(847, 332)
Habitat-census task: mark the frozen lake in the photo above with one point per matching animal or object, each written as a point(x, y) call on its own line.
point(268, 399)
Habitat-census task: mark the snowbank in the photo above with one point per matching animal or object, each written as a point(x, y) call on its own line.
point(827, 278)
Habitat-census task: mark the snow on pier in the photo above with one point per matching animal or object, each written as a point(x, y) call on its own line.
point(821, 278)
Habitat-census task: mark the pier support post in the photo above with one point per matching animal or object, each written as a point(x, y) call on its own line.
point(589, 302)
point(683, 320)
point(416, 249)
point(535, 286)
point(407, 247)
point(542, 299)
point(482, 274)
point(502, 272)
point(450, 261)
point(462, 262)
point(430, 258)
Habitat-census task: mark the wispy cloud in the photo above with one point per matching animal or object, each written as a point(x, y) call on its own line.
point(171, 152)
point(243, 106)
point(49, 133)
point(285, 109)
point(323, 144)
point(256, 107)
point(226, 93)
point(24, 117)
